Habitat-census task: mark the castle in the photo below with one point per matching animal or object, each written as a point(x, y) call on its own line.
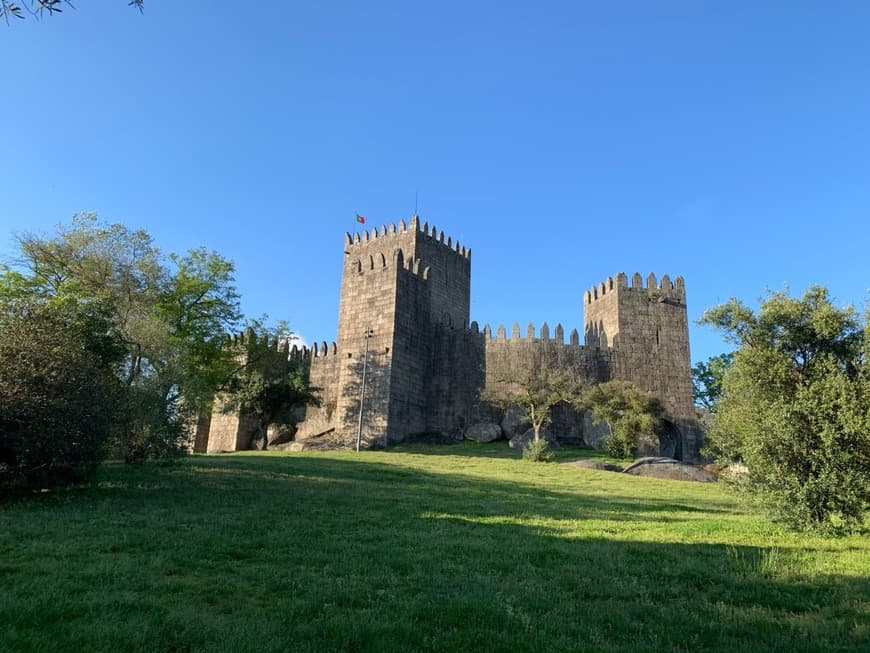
point(403, 324)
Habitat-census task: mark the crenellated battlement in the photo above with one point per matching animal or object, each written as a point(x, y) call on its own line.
point(661, 289)
point(250, 342)
point(362, 239)
point(501, 333)
point(321, 350)
point(377, 261)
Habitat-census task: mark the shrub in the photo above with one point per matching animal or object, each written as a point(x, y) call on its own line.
point(538, 451)
point(57, 396)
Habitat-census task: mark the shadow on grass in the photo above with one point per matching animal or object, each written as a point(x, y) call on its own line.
point(320, 552)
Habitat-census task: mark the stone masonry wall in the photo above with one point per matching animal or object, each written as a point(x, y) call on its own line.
point(229, 431)
point(466, 362)
point(323, 366)
point(411, 354)
point(449, 276)
point(368, 302)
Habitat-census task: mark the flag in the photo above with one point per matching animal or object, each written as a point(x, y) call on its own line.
point(360, 219)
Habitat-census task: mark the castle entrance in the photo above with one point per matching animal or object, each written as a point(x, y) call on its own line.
point(670, 440)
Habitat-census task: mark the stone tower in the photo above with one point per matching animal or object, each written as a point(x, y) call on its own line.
point(397, 284)
point(647, 327)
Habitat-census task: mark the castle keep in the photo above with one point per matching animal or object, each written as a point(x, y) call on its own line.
point(403, 321)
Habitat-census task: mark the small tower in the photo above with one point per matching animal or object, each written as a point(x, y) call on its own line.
point(646, 324)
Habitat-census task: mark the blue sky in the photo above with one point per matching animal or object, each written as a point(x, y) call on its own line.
point(561, 141)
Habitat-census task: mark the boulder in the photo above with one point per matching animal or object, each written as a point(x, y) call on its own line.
point(520, 441)
point(514, 422)
point(258, 441)
point(592, 463)
point(483, 432)
point(593, 433)
point(668, 468)
point(280, 434)
point(649, 445)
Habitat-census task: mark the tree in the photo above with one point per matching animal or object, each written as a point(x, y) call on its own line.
point(626, 410)
point(795, 408)
point(537, 389)
point(39, 8)
point(707, 378)
point(268, 384)
point(58, 392)
point(169, 314)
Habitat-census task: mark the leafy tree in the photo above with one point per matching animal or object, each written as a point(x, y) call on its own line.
point(707, 378)
point(58, 392)
point(626, 410)
point(795, 407)
point(170, 314)
point(537, 389)
point(268, 385)
point(39, 8)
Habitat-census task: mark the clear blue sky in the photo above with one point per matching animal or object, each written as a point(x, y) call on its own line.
point(562, 141)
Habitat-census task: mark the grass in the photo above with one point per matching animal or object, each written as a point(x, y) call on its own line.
point(419, 548)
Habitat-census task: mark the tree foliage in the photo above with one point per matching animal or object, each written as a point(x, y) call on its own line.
point(39, 8)
point(626, 410)
point(268, 385)
point(58, 392)
point(795, 407)
point(707, 378)
point(168, 314)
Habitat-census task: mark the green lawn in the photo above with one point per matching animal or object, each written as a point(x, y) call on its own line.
point(420, 548)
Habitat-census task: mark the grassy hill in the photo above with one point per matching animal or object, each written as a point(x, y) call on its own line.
point(422, 548)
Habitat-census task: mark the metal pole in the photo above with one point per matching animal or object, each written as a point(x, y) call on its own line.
point(362, 396)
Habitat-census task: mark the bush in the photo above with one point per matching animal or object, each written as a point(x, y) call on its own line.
point(57, 396)
point(628, 412)
point(795, 409)
point(147, 432)
point(538, 451)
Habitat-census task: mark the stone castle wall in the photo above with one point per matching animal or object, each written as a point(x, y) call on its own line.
point(409, 288)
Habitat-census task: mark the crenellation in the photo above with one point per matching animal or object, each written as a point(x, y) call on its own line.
point(621, 281)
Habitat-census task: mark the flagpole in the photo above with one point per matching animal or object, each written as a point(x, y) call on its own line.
point(362, 397)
